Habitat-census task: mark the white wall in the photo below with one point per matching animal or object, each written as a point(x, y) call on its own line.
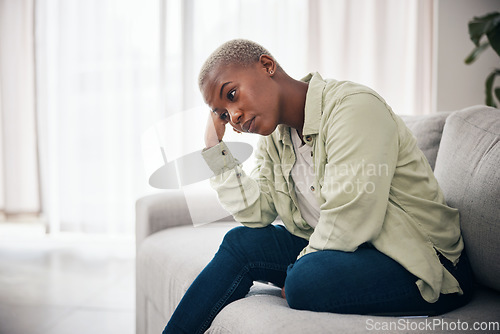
point(459, 85)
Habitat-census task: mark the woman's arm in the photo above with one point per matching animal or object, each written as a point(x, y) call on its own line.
point(248, 199)
point(361, 144)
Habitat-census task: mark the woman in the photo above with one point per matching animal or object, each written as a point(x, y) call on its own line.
point(366, 228)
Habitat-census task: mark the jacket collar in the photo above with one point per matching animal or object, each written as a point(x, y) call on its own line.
point(313, 109)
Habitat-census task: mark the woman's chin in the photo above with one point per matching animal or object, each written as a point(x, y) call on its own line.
point(266, 132)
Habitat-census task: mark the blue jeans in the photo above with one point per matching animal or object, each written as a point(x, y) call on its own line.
point(362, 282)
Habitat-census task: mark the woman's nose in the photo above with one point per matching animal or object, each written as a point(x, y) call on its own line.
point(235, 115)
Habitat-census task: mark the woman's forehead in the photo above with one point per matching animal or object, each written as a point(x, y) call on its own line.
point(225, 72)
point(212, 86)
point(219, 76)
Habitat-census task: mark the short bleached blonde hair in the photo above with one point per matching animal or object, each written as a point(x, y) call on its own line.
point(237, 51)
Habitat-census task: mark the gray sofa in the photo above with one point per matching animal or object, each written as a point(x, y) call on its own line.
point(464, 148)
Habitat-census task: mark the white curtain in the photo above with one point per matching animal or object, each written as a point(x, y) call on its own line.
point(106, 70)
point(384, 44)
point(19, 182)
point(98, 89)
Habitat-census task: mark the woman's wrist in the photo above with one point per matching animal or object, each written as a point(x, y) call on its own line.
point(211, 143)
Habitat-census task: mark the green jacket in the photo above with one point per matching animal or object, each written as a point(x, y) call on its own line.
point(372, 182)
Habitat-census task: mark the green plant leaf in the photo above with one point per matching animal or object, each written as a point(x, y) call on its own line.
point(481, 25)
point(475, 53)
point(497, 93)
point(490, 101)
point(494, 37)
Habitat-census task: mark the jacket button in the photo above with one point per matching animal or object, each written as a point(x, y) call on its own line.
point(312, 154)
point(224, 152)
point(238, 175)
point(312, 188)
point(308, 138)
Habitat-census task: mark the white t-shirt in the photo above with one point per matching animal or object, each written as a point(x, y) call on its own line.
point(303, 177)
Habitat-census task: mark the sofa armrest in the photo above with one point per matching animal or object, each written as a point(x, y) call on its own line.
point(160, 211)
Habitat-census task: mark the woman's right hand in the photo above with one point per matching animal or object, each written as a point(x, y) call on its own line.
point(214, 130)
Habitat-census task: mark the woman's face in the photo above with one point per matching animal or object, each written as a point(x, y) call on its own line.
point(246, 97)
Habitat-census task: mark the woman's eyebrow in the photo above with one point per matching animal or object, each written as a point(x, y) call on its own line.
point(222, 88)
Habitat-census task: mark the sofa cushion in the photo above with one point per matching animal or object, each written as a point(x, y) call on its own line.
point(168, 261)
point(468, 170)
point(427, 129)
point(268, 313)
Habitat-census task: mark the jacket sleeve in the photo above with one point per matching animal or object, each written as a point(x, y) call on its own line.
point(247, 198)
point(361, 144)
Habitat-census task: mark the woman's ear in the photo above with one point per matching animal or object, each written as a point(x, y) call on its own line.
point(268, 64)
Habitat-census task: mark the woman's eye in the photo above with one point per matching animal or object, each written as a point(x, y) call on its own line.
point(223, 116)
point(231, 95)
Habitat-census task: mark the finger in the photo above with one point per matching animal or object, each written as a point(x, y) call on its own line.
point(214, 131)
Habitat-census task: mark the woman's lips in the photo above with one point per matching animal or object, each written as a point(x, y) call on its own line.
point(252, 126)
point(249, 125)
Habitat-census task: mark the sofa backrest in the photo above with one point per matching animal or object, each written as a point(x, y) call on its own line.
point(468, 171)
point(428, 130)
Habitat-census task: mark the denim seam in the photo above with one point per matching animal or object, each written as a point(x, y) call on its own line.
point(217, 307)
point(237, 280)
point(350, 302)
point(266, 265)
